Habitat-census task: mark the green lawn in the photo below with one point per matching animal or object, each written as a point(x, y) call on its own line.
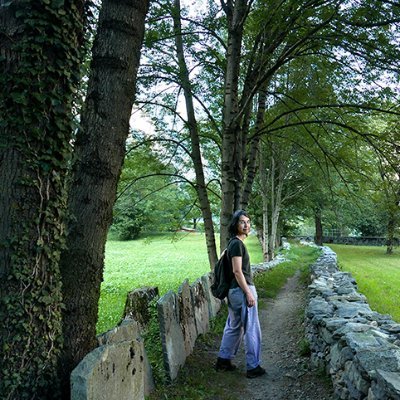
point(377, 275)
point(164, 261)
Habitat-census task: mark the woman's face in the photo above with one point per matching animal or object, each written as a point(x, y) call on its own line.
point(243, 226)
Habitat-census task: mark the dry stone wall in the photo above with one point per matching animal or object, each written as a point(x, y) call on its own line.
point(358, 347)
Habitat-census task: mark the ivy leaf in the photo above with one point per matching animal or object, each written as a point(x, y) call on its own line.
point(58, 3)
point(19, 98)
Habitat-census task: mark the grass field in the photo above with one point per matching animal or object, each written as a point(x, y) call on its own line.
point(377, 275)
point(163, 260)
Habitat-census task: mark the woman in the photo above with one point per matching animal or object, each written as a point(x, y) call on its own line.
point(242, 304)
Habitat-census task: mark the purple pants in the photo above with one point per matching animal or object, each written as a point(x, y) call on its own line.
point(242, 322)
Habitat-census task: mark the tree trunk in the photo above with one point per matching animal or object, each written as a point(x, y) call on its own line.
point(236, 16)
point(390, 234)
point(99, 154)
point(276, 208)
point(254, 145)
point(318, 226)
point(264, 181)
point(40, 71)
point(201, 187)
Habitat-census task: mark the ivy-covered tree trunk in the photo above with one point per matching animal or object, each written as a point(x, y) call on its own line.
point(40, 52)
point(98, 157)
point(201, 188)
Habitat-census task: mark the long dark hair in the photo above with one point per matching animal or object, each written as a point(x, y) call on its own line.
point(233, 226)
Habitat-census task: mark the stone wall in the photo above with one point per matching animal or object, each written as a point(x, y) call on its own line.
point(359, 241)
point(118, 369)
point(352, 240)
point(358, 347)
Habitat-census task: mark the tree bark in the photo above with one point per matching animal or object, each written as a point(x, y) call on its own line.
point(40, 71)
point(390, 235)
point(201, 187)
point(99, 154)
point(318, 226)
point(264, 181)
point(254, 146)
point(236, 15)
point(276, 205)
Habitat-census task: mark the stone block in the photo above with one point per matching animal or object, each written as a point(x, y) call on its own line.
point(335, 352)
point(351, 310)
point(200, 306)
point(351, 327)
point(391, 328)
point(137, 305)
point(319, 307)
point(361, 340)
point(390, 383)
point(214, 305)
point(118, 369)
point(327, 336)
point(171, 334)
point(186, 317)
point(359, 382)
point(371, 359)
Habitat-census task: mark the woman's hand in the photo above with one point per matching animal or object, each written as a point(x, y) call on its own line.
point(251, 301)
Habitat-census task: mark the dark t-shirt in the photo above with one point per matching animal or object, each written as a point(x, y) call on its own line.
point(236, 248)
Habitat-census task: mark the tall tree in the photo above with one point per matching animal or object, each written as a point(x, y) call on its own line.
point(99, 151)
point(242, 51)
point(200, 184)
point(41, 50)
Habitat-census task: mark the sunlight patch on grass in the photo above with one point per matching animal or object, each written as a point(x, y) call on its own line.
point(377, 275)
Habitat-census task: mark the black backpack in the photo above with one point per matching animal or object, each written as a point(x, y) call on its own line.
point(223, 276)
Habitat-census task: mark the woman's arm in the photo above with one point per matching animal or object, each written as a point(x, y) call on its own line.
point(241, 280)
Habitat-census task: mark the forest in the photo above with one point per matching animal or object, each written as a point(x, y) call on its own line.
point(161, 115)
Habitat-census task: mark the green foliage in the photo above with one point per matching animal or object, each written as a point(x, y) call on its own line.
point(128, 223)
point(377, 275)
point(150, 197)
point(304, 348)
point(153, 345)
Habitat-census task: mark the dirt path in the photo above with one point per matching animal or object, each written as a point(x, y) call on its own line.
point(289, 376)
